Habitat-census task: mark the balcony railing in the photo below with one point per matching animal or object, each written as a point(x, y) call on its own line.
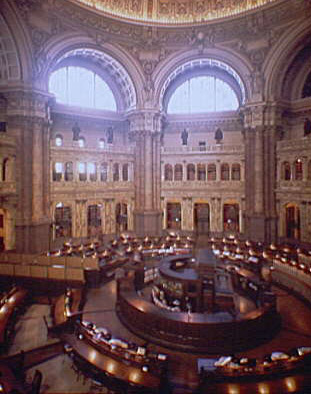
point(217, 148)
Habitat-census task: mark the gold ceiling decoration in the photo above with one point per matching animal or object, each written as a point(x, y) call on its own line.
point(173, 11)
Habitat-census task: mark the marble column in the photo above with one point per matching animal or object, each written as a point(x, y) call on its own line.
point(145, 127)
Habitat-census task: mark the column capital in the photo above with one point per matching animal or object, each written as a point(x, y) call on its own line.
point(145, 121)
point(267, 114)
point(27, 103)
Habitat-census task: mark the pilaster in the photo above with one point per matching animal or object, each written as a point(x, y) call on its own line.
point(145, 127)
point(28, 121)
point(261, 121)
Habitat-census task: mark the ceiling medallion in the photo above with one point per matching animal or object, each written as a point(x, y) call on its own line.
point(173, 12)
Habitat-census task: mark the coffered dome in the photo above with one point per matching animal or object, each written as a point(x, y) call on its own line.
point(173, 11)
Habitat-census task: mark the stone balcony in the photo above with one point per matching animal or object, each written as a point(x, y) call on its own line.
point(90, 188)
point(294, 145)
point(202, 150)
point(232, 186)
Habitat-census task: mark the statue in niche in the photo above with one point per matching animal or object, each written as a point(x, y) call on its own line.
point(218, 136)
point(110, 135)
point(76, 131)
point(307, 127)
point(184, 137)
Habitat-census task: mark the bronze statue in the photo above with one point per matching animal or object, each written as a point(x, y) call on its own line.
point(76, 131)
point(218, 136)
point(184, 137)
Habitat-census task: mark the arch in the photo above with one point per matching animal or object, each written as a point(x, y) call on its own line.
point(306, 89)
point(92, 171)
point(94, 220)
point(81, 86)
point(82, 171)
point(104, 172)
point(211, 172)
point(231, 217)
point(10, 68)
point(58, 140)
point(286, 171)
point(62, 220)
point(69, 171)
point(178, 172)
point(125, 172)
point(224, 172)
point(236, 172)
point(226, 62)
point(201, 217)
point(58, 169)
point(173, 215)
point(281, 56)
point(115, 172)
point(292, 221)
point(201, 172)
point(298, 170)
point(121, 72)
point(121, 212)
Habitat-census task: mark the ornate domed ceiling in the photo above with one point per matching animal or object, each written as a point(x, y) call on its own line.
point(173, 11)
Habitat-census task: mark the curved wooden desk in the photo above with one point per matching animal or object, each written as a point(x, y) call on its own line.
point(211, 333)
point(112, 366)
point(8, 306)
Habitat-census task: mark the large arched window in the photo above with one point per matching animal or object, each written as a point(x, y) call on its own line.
point(69, 171)
point(104, 172)
point(201, 171)
point(203, 94)
point(225, 172)
point(81, 87)
point(236, 172)
point(62, 220)
point(178, 172)
point(286, 171)
point(298, 170)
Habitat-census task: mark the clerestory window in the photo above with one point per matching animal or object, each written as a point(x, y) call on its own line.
point(81, 87)
point(203, 94)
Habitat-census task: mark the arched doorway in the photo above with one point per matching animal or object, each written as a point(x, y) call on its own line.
point(94, 221)
point(62, 221)
point(231, 217)
point(292, 221)
point(121, 217)
point(201, 214)
point(173, 214)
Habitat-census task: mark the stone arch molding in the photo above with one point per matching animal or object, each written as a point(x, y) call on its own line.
point(282, 56)
point(9, 60)
point(235, 68)
point(115, 66)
